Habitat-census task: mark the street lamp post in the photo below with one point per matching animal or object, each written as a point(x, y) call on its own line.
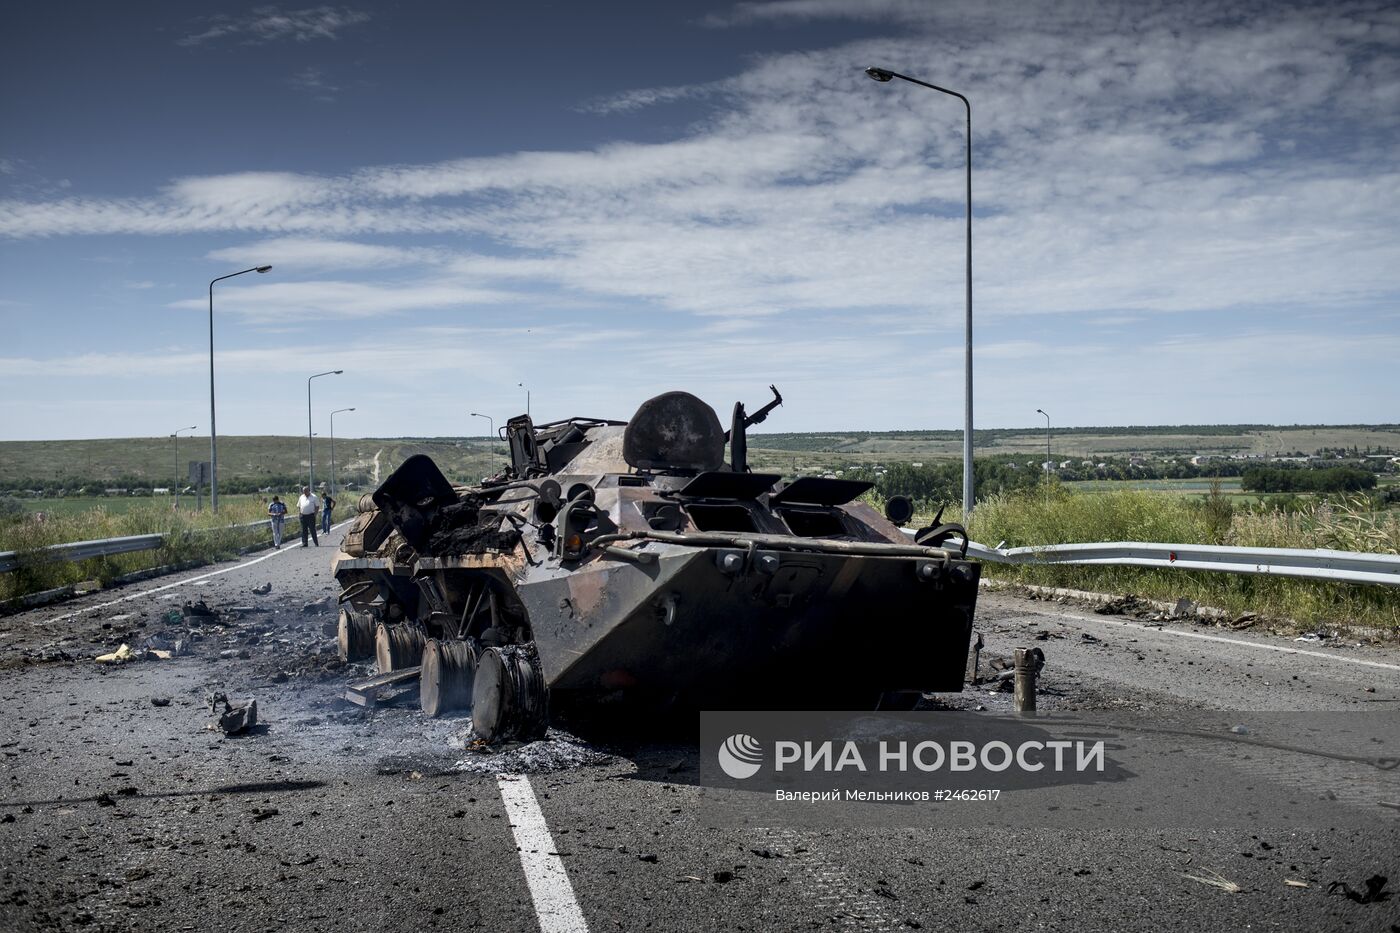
point(1047, 449)
point(333, 414)
point(527, 397)
point(883, 75)
point(175, 448)
point(492, 422)
point(213, 431)
point(310, 447)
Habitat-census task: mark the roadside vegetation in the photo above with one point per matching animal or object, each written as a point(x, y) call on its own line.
point(189, 536)
point(1061, 516)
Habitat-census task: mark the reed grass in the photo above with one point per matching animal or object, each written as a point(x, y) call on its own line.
point(1061, 516)
point(189, 536)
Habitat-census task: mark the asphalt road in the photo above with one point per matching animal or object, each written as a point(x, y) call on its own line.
point(123, 815)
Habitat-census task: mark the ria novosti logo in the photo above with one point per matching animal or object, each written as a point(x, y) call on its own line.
point(740, 756)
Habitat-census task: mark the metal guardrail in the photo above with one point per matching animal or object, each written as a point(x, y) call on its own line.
point(1313, 564)
point(102, 547)
point(1310, 564)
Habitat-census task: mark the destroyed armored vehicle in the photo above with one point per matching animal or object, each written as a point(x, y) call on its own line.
point(643, 560)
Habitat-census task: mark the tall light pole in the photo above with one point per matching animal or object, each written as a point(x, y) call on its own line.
point(1047, 441)
point(527, 397)
point(491, 421)
point(175, 447)
point(333, 414)
point(213, 432)
point(310, 447)
point(883, 75)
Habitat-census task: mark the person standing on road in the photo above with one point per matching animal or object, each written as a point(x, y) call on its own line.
point(327, 503)
point(307, 506)
point(277, 511)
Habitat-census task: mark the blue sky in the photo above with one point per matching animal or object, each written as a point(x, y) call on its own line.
point(1184, 212)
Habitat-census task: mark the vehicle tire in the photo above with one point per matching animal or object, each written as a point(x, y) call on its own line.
point(448, 675)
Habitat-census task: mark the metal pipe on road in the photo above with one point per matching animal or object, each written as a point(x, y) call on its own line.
point(1025, 667)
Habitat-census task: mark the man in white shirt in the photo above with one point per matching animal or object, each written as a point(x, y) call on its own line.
point(307, 507)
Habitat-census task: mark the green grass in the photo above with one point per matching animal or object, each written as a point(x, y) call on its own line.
point(1067, 516)
point(121, 505)
point(154, 460)
point(151, 460)
point(189, 536)
point(1197, 488)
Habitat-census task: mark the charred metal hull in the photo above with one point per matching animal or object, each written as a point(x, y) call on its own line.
point(615, 559)
point(818, 623)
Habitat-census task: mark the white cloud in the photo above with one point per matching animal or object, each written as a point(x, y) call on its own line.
point(308, 253)
point(270, 24)
point(640, 98)
point(313, 82)
point(287, 302)
point(1130, 160)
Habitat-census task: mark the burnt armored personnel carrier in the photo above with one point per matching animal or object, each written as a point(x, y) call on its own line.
point(643, 560)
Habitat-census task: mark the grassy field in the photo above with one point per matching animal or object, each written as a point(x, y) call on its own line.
point(122, 505)
point(1197, 488)
point(1085, 443)
point(189, 536)
point(153, 459)
point(1067, 516)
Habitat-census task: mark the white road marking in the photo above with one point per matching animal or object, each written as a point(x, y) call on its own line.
point(1228, 641)
point(161, 589)
point(555, 905)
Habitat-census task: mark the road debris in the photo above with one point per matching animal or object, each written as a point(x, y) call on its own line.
point(197, 610)
point(263, 590)
point(558, 751)
point(235, 718)
point(1374, 890)
point(120, 656)
point(1295, 883)
point(1215, 880)
point(160, 701)
point(384, 688)
point(162, 646)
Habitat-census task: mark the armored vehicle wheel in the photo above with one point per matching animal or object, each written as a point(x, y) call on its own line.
point(355, 635)
point(509, 699)
point(449, 672)
point(398, 646)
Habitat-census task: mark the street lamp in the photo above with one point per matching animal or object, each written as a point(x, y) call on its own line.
point(884, 76)
point(213, 432)
point(175, 447)
point(1047, 441)
point(491, 421)
point(527, 397)
point(333, 414)
point(310, 447)
point(1049, 462)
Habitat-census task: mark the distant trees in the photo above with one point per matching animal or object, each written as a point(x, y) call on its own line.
point(1332, 479)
